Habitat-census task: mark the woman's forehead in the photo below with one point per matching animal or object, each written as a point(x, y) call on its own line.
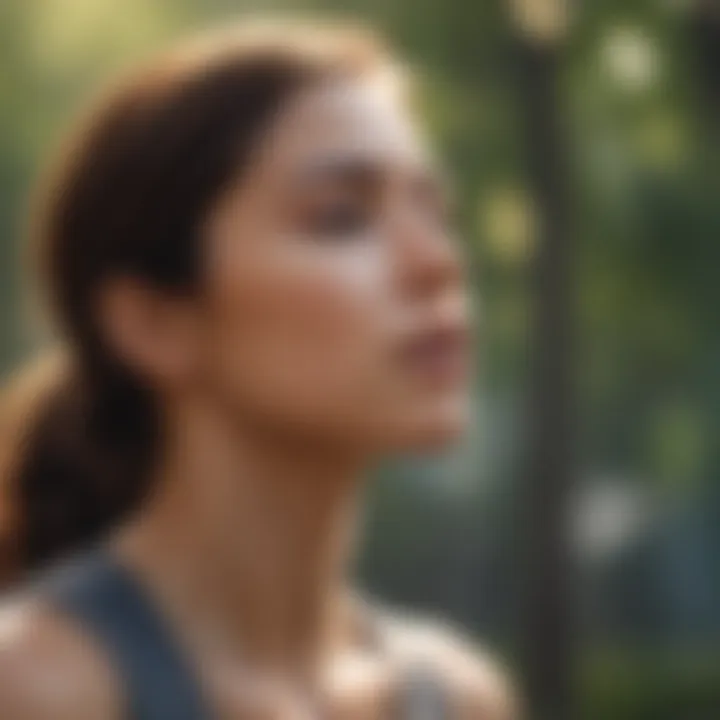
point(361, 124)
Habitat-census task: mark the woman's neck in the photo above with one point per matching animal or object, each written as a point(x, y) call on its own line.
point(245, 539)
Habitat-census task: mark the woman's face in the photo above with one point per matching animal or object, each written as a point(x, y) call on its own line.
point(335, 304)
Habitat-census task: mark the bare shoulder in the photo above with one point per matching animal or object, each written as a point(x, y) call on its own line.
point(48, 669)
point(479, 686)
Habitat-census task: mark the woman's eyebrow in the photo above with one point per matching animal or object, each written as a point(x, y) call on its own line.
point(347, 169)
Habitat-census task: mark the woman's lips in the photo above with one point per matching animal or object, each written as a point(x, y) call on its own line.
point(439, 353)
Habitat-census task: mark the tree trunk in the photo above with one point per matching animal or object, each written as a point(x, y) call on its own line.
point(548, 628)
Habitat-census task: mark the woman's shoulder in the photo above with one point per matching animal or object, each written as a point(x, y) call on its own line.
point(475, 681)
point(48, 668)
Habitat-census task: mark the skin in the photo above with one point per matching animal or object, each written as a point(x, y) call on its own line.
point(331, 329)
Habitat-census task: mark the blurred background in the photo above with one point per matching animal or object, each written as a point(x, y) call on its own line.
point(577, 531)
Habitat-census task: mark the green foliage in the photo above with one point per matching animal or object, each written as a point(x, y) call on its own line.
point(632, 686)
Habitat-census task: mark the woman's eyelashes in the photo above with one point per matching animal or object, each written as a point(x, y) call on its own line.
point(338, 217)
point(348, 213)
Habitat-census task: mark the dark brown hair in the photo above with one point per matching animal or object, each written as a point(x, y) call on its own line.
point(127, 197)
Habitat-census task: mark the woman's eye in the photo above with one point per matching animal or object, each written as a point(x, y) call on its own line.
point(340, 218)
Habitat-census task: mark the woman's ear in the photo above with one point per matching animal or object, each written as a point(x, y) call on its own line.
point(153, 332)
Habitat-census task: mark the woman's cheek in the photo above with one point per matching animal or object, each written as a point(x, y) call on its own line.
point(339, 314)
point(313, 325)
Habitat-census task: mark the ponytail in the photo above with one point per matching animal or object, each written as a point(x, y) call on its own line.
point(27, 394)
point(74, 459)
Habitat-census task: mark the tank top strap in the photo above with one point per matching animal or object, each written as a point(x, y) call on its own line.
point(106, 601)
point(423, 695)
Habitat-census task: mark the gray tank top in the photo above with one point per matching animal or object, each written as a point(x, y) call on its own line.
point(157, 679)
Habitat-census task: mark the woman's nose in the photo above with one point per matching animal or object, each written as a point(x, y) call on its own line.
point(428, 257)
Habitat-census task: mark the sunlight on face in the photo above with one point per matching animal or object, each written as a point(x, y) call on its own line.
point(335, 301)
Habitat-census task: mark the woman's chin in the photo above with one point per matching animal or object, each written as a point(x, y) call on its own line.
point(437, 431)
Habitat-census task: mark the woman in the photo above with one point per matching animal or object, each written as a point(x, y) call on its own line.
point(246, 252)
